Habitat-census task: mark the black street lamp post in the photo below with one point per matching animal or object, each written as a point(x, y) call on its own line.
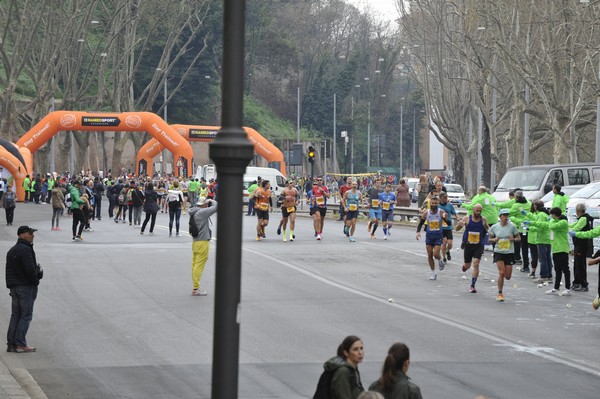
point(231, 152)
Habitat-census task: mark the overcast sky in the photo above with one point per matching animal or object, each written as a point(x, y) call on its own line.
point(383, 8)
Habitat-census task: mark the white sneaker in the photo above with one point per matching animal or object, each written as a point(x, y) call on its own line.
point(433, 277)
point(553, 291)
point(565, 293)
point(385, 237)
point(318, 237)
point(291, 238)
point(284, 239)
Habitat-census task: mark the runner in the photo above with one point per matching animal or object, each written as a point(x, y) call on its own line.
point(346, 187)
point(351, 201)
point(288, 209)
point(476, 227)
point(374, 208)
point(387, 199)
point(504, 234)
point(263, 204)
point(320, 194)
point(434, 218)
point(447, 227)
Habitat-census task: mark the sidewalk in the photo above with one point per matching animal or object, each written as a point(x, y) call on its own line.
point(9, 387)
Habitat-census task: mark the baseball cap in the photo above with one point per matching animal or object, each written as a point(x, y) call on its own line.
point(25, 229)
point(201, 201)
point(504, 211)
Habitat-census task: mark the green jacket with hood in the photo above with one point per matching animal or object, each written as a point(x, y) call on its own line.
point(345, 382)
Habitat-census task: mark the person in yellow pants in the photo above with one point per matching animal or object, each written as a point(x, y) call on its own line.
point(201, 234)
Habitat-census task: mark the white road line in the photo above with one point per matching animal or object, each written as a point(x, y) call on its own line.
point(533, 350)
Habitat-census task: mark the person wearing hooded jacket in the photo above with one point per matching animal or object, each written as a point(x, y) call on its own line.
point(394, 383)
point(345, 382)
point(76, 205)
point(201, 212)
point(521, 205)
point(559, 228)
point(560, 200)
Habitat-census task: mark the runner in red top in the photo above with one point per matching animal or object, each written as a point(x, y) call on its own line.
point(319, 196)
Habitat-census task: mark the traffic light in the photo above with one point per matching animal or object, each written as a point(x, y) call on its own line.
point(311, 154)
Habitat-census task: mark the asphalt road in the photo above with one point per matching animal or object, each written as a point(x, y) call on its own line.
point(114, 317)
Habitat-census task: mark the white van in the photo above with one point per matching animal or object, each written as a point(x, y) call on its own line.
point(274, 176)
point(207, 172)
point(537, 180)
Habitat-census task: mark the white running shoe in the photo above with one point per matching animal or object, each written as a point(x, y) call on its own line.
point(385, 237)
point(318, 237)
point(433, 276)
point(553, 291)
point(565, 293)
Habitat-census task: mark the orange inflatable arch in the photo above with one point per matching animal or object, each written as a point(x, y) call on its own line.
point(151, 123)
point(16, 169)
point(262, 146)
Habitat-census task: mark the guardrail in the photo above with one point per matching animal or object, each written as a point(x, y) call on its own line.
point(408, 212)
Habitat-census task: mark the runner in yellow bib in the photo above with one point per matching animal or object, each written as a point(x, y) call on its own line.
point(476, 227)
point(504, 234)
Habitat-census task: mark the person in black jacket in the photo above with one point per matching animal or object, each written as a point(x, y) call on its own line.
point(150, 207)
point(23, 275)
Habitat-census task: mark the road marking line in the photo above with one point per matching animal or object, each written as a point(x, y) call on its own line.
point(531, 349)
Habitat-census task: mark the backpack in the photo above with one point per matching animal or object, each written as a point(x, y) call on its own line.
point(193, 230)
point(324, 385)
point(130, 195)
point(121, 198)
point(68, 200)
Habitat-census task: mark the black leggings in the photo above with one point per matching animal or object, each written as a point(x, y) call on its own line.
point(148, 217)
point(78, 218)
point(174, 214)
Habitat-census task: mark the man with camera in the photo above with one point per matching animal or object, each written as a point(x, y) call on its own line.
point(23, 275)
point(201, 234)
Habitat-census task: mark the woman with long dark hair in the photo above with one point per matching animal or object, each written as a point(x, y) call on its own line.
point(345, 378)
point(150, 207)
point(394, 383)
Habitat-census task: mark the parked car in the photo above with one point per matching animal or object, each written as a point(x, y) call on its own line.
point(456, 194)
point(588, 194)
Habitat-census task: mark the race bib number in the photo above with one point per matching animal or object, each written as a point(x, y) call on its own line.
point(504, 244)
point(352, 207)
point(434, 225)
point(374, 203)
point(385, 206)
point(473, 237)
point(263, 206)
point(291, 209)
point(321, 201)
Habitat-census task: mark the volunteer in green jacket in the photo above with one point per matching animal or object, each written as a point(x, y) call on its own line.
point(559, 229)
point(251, 189)
point(27, 188)
point(76, 204)
point(560, 200)
point(516, 215)
point(532, 240)
point(193, 187)
point(541, 235)
point(509, 202)
point(488, 203)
